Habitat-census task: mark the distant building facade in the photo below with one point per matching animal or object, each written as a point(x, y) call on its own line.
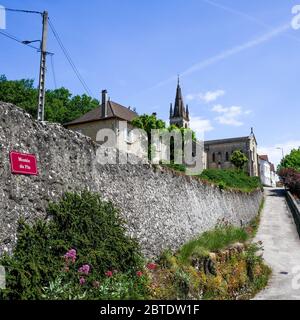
point(109, 115)
point(218, 153)
point(268, 175)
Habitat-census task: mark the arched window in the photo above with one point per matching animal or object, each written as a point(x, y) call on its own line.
point(213, 157)
point(227, 156)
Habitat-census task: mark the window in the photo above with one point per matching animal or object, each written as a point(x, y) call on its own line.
point(213, 157)
point(227, 156)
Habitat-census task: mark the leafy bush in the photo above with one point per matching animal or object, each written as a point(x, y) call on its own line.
point(291, 179)
point(119, 286)
point(231, 179)
point(83, 236)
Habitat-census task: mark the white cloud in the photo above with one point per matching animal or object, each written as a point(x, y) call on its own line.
point(225, 54)
point(207, 97)
point(275, 155)
point(230, 115)
point(200, 126)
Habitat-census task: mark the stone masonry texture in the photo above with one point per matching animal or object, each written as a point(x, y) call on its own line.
point(162, 209)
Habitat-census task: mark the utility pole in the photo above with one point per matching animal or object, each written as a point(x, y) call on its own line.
point(42, 79)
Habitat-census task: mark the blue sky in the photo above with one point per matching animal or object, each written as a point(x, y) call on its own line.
point(239, 61)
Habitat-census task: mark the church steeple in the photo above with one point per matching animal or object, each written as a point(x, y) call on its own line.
point(171, 111)
point(180, 116)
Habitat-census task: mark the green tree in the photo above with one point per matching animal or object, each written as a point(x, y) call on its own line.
point(60, 105)
point(291, 161)
point(238, 159)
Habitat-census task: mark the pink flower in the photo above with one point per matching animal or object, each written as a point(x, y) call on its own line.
point(139, 273)
point(71, 255)
point(151, 266)
point(85, 269)
point(109, 274)
point(82, 281)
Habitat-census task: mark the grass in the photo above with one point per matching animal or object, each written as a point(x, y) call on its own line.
point(176, 167)
point(231, 179)
point(217, 239)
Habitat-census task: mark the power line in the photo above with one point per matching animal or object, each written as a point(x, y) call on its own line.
point(18, 40)
point(57, 37)
point(18, 10)
point(68, 57)
point(53, 72)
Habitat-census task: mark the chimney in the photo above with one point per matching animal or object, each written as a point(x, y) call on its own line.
point(104, 104)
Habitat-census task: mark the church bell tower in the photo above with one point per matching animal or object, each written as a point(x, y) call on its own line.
point(179, 116)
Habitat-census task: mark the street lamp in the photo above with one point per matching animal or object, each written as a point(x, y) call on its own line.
point(28, 42)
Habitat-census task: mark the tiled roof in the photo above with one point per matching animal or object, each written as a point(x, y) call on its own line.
point(114, 110)
point(264, 157)
point(210, 142)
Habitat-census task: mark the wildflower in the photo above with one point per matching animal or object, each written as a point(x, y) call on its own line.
point(109, 274)
point(85, 269)
point(82, 281)
point(71, 255)
point(139, 273)
point(151, 266)
point(67, 269)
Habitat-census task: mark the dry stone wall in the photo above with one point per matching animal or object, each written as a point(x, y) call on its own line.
point(162, 209)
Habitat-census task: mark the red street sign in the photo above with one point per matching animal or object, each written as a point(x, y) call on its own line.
point(22, 163)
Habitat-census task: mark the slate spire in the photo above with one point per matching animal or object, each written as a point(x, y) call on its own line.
point(179, 115)
point(179, 109)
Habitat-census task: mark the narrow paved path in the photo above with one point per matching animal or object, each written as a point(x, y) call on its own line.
point(281, 244)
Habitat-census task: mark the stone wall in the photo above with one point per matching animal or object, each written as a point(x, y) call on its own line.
point(162, 209)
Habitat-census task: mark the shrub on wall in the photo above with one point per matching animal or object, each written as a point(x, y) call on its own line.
point(291, 179)
point(84, 240)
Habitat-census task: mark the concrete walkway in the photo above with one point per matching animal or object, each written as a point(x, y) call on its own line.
point(281, 248)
